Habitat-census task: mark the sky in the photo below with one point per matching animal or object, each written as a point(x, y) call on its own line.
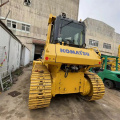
point(107, 11)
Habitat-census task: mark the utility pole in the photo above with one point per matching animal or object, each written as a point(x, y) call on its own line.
point(2, 4)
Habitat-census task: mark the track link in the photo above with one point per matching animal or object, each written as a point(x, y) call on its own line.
point(98, 89)
point(40, 87)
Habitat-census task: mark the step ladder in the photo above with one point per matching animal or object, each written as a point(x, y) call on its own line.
point(5, 81)
point(5, 72)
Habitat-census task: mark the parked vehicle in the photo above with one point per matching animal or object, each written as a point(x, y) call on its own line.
point(110, 78)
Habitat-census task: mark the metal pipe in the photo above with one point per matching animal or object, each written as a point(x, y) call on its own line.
point(105, 62)
point(116, 64)
point(3, 3)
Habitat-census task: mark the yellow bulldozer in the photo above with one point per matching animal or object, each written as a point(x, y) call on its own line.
point(64, 66)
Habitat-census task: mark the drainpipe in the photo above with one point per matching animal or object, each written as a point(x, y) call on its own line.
point(105, 62)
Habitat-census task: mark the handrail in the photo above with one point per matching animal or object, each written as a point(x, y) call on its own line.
point(96, 48)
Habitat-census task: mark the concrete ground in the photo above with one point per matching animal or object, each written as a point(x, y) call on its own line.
point(62, 107)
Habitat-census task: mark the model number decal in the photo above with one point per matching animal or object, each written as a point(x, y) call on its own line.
point(74, 52)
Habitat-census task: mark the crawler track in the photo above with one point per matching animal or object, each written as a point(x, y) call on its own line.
point(40, 87)
point(98, 89)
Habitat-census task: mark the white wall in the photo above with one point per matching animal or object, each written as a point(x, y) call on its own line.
point(25, 59)
point(4, 41)
point(13, 50)
point(32, 53)
point(14, 54)
point(27, 56)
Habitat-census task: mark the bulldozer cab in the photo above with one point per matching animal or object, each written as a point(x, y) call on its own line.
point(65, 43)
point(67, 31)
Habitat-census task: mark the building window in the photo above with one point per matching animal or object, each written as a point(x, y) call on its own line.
point(8, 23)
point(93, 42)
point(27, 2)
point(106, 45)
point(11, 24)
point(26, 27)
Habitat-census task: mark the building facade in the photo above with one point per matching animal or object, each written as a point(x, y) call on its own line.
point(103, 36)
point(28, 19)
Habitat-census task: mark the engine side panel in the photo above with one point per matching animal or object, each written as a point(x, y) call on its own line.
point(80, 56)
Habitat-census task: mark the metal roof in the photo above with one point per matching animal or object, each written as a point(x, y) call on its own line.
point(9, 31)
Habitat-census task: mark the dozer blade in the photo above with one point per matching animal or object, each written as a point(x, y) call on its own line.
point(40, 87)
point(97, 87)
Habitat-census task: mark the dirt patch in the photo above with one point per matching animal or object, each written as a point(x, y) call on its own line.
point(14, 93)
point(2, 108)
point(18, 72)
point(20, 114)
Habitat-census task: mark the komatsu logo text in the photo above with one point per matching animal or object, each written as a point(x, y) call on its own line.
point(74, 52)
